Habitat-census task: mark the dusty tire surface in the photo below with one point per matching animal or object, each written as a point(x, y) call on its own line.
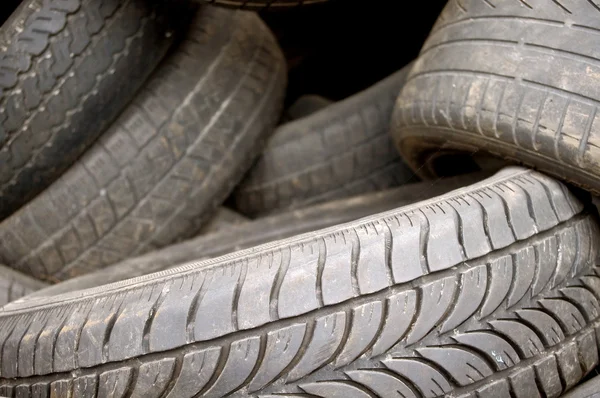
point(473, 292)
point(340, 151)
point(14, 285)
point(516, 79)
point(67, 68)
point(260, 231)
point(168, 161)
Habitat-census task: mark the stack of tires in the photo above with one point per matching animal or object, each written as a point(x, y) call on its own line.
point(168, 229)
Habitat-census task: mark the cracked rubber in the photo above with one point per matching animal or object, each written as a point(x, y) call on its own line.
point(340, 151)
point(515, 79)
point(489, 290)
point(14, 285)
point(170, 159)
point(263, 230)
point(67, 69)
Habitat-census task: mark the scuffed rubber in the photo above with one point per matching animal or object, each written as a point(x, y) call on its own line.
point(67, 69)
point(170, 159)
point(515, 79)
point(263, 230)
point(340, 151)
point(489, 290)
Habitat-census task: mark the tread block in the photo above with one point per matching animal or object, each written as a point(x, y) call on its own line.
point(465, 367)
point(327, 337)
point(298, 293)
point(381, 383)
point(196, 370)
point(428, 380)
point(496, 219)
point(472, 290)
point(365, 322)
point(406, 249)
point(334, 390)
point(443, 247)
point(520, 335)
point(436, 300)
point(498, 350)
point(569, 364)
point(501, 273)
point(401, 310)
point(243, 356)
point(547, 373)
point(472, 222)
point(336, 279)
point(372, 265)
point(114, 383)
point(152, 378)
point(523, 384)
point(282, 348)
point(525, 269)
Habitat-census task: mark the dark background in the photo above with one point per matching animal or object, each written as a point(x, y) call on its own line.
point(340, 47)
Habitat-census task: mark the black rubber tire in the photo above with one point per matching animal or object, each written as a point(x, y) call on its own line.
point(306, 106)
point(263, 230)
point(340, 151)
point(262, 4)
point(474, 291)
point(516, 79)
point(170, 159)
point(67, 69)
point(14, 285)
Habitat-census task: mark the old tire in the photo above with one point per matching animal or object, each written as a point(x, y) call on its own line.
point(172, 157)
point(68, 68)
point(473, 292)
point(14, 285)
point(260, 231)
point(518, 80)
point(340, 151)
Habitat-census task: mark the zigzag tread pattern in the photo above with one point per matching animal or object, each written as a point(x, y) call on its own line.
point(60, 59)
point(382, 344)
point(292, 298)
point(168, 156)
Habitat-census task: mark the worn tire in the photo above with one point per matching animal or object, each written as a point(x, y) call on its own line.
point(14, 285)
point(340, 151)
point(489, 289)
point(516, 79)
point(67, 69)
point(263, 230)
point(170, 159)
